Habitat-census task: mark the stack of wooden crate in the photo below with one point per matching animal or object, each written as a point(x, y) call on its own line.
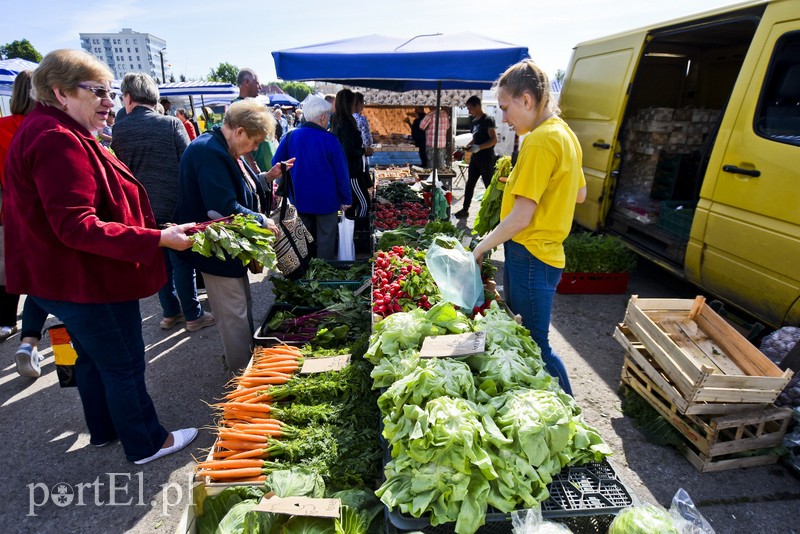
point(707, 380)
point(653, 130)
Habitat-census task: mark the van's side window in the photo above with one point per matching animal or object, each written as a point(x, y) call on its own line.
point(778, 114)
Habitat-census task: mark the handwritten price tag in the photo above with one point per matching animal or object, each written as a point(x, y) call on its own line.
point(453, 345)
point(323, 365)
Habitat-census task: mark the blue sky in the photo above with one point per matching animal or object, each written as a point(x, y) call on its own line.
point(201, 33)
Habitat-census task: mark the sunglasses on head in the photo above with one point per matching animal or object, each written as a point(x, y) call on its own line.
point(99, 92)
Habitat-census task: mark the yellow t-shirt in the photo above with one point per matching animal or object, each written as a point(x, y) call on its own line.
point(548, 171)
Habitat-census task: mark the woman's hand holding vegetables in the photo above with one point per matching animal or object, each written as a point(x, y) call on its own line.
point(175, 237)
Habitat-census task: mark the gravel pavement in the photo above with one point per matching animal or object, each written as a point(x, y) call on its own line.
point(54, 481)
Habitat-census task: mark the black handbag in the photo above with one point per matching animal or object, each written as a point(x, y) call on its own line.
point(292, 246)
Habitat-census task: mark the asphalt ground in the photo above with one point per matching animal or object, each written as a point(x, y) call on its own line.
point(54, 481)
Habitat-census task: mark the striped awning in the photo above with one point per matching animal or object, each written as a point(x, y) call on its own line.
point(9, 68)
point(220, 89)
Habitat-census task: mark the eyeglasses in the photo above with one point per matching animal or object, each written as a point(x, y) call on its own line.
point(99, 92)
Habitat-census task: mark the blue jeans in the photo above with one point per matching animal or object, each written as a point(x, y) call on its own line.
point(529, 287)
point(33, 319)
point(110, 373)
point(180, 291)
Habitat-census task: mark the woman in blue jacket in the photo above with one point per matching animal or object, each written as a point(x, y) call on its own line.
point(320, 179)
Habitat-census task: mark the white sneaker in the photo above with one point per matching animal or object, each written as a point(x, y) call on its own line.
point(181, 438)
point(29, 362)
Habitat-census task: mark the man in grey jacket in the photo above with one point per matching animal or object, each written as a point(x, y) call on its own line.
point(151, 145)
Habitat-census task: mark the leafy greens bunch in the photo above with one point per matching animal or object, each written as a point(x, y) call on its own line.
point(240, 237)
point(489, 212)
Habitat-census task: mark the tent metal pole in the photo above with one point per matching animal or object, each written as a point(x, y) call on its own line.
point(436, 130)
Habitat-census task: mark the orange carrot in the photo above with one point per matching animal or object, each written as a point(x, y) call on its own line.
point(241, 406)
point(229, 464)
point(252, 453)
point(241, 436)
point(266, 372)
point(260, 421)
point(261, 380)
point(236, 393)
point(239, 445)
point(255, 427)
point(233, 473)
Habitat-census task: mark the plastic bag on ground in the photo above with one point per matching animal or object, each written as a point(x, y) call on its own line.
point(456, 272)
point(682, 518)
point(689, 518)
point(530, 521)
point(347, 248)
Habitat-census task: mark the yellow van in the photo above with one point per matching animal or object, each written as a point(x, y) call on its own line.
point(691, 148)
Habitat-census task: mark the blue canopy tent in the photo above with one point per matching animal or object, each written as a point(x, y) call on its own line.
point(437, 61)
point(282, 99)
point(457, 61)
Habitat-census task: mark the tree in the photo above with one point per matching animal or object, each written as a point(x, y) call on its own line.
point(182, 77)
point(20, 49)
point(171, 78)
point(226, 72)
point(298, 90)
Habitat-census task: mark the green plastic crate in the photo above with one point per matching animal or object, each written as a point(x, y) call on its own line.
point(676, 216)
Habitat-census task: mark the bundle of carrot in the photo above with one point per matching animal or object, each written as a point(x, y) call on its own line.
point(246, 430)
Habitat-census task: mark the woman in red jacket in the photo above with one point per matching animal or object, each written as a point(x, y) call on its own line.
point(21, 104)
point(72, 204)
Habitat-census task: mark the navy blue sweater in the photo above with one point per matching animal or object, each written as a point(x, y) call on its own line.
point(210, 179)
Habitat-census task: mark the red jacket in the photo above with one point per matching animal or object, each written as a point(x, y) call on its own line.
point(78, 225)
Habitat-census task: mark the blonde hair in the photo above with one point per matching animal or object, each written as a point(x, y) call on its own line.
point(66, 69)
point(527, 77)
point(252, 116)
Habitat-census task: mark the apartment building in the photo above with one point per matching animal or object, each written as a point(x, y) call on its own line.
point(129, 51)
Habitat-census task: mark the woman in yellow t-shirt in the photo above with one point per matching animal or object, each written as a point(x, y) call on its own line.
point(538, 204)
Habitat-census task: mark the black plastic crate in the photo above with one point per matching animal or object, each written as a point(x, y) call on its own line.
point(261, 338)
point(585, 498)
point(593, 486)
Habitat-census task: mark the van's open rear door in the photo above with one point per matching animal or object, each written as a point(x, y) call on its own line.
point(592, 102)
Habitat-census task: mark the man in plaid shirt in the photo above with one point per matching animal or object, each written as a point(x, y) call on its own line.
point(429, 125)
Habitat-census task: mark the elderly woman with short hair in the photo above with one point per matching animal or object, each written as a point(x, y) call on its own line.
point(71, 203)
point(215, 181)
point(320, 179)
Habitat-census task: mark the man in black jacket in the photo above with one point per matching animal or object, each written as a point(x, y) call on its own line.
point(151, 145)
point(481, 164)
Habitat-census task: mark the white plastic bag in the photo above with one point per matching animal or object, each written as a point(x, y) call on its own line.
point(530, 521)
point(456, 272)
point(683, 510)
point(347, 248)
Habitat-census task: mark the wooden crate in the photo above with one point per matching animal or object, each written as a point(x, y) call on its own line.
point(639, 354)
point(715, 442)
point(704, 356)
